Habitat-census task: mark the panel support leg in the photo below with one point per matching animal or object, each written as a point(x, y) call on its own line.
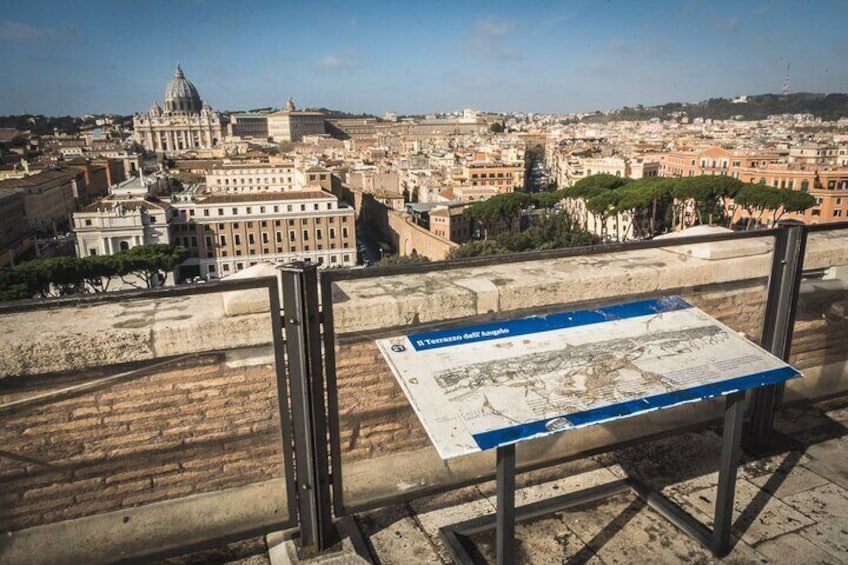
point(730, 449)
point(505, 527)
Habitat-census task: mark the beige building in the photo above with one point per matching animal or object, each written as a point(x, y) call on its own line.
point(292, 125)
point(49, 197)
point(115, 224)
point(185, 123)
point(448, 222)
point(226, 233)
point(14, 238)
point(266, 177)
point(506, 177)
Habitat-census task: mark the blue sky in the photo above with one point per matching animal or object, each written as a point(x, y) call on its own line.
point(414, 57)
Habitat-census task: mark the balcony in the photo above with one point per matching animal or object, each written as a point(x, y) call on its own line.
point(150, 424)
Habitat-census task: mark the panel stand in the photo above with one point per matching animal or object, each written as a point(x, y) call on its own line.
point(716, 540)
point(505, 534)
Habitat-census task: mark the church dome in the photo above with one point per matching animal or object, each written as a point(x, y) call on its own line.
point(181, 95)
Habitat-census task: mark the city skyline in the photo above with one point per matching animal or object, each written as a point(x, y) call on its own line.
point(414, 59)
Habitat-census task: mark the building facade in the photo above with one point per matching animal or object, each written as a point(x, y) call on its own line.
point(185, 122)
point(226, 233)
point(113, 225)
point(291, 124)
point(266, 177)
point(49, 197)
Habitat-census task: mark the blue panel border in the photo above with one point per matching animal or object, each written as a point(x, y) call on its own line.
point(535, 324)
point(513, 434)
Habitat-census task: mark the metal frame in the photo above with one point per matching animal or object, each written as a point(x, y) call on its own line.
point(716, 540)
point(778, 323)
point(269, 283)
point(303, 347)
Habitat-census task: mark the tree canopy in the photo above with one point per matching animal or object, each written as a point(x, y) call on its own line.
point(143, 266)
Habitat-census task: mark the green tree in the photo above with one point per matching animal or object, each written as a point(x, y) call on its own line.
point(412, 259)
point(150, 263)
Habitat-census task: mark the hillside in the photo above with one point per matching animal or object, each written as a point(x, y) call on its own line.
point(828, 107)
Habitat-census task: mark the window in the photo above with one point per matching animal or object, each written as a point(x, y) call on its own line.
point(263, 224)
point(220, 211)
point(92, 251)
point(805, 185)
point(291, 222)
point(226, 268)
point(239, 266)
point(344, 232)
point(837, 213)
point(191, 212)
point(332, 233)
point(249, 224)
point(277, 223)
point(816, 212)
point(262, 210)
point(220, 226)
point(291, 236)
point(87, 222)
point(318, 233)
point(279, 237)
point(264, 237)
point(223, 240)
point(250, 239)
point(206, 212)
point(249, 210)
point(305, 235)
point(237, 238)
point(235, 211)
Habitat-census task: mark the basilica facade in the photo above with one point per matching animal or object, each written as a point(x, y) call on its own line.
point(185, 123)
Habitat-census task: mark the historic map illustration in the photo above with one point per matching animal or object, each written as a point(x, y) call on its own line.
point(479, 387)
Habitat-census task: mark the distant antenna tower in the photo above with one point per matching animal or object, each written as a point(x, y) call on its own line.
point(786, 80)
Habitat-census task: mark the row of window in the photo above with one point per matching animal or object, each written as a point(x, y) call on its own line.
point(235, 211)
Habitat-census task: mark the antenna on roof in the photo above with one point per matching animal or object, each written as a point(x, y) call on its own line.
point(785, 90)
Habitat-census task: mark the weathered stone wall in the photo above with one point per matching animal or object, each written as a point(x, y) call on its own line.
point(198, 426)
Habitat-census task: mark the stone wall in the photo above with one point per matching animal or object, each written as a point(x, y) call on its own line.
point(201, 425)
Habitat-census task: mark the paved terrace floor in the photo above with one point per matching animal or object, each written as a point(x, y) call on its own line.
point(791, 507)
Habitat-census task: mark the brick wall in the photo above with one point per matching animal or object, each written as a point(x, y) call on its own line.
point(195, 427)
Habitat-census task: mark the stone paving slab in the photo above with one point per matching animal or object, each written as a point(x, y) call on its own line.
point(828, 507)
point(757, 515)
point(795, 548)
point(396, 537)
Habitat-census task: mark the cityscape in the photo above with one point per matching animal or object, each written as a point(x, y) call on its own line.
point(410, 168)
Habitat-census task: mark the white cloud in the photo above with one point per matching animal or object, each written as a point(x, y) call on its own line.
point(334, 63)
point(489, 40)
point(25, 33)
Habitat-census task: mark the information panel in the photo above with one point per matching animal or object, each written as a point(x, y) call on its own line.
point(478, 387)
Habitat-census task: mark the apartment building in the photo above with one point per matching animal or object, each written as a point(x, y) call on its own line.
point(450, 223)
point(49, 197)
point(828, 184)
point(227, 232)
point(507, 177)
point(266, 177)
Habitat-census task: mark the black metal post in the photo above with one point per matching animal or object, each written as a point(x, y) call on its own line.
point(303, 350)
point(731, 440)
point(778, 323)
point(505, 526)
